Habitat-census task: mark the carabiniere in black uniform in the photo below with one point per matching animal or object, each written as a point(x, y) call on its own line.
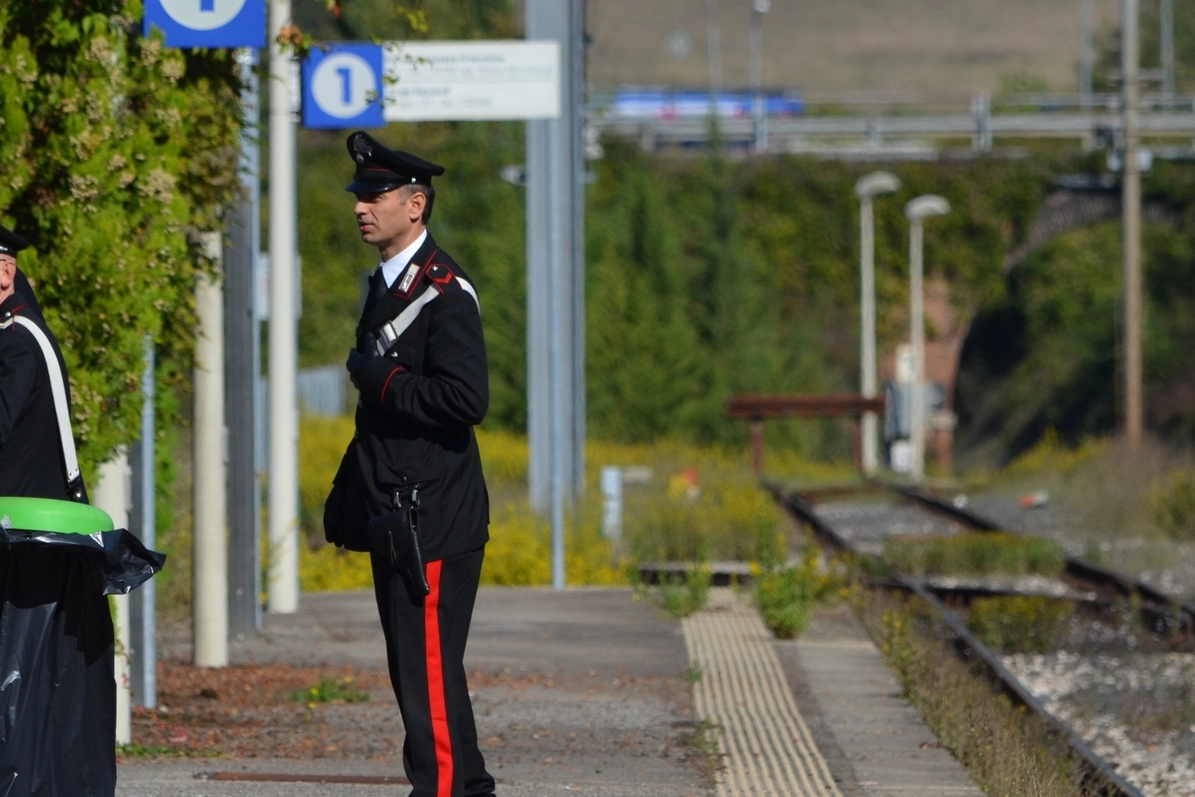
point(410, 488)
point(31, 458)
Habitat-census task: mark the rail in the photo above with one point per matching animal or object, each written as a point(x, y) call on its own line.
point(1101, 777)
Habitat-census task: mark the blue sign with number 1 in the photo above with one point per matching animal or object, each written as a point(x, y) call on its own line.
point(208, 23)
point(342, 87)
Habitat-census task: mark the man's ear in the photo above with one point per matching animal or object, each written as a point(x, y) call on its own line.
point(8, 273)
point(415, 204)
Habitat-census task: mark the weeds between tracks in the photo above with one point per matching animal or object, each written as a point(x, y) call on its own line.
point(1009, 751)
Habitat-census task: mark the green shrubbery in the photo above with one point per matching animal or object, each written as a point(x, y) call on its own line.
point(974, 555)
point(1172, 504)
point(681, 596)
point(1020, 623)
point(786, 595)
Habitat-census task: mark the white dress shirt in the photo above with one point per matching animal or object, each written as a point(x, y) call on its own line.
point(392, 268)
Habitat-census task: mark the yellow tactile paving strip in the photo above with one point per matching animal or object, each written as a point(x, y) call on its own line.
point(767, 746)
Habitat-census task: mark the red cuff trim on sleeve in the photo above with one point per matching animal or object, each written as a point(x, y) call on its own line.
point(386, 386)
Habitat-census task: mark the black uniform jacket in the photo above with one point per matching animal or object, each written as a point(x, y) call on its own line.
point(31, 459)
point(419, 402)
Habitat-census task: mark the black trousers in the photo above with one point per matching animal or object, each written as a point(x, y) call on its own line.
point(425, 649)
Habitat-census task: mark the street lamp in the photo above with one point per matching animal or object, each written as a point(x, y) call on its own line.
point(869, 186)
point(915, 211)
point(755, 67)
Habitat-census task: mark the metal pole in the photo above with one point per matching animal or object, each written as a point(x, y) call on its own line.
point(143, 520)
point(1086, 54)
point(755, 68)
point(112, 494)
point(284, 449)
point(917, 340)
point(577, 134)
point(210, 602)
point(551, 190)
point(1167, 14)
point(1132, 225)
point(713, 50)
point(539, 393)
point(243, 363)
point(866, 188)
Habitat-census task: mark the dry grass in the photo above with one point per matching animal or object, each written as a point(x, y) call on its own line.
point(936, 46)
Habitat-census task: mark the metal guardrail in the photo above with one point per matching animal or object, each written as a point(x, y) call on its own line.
point(795, 133)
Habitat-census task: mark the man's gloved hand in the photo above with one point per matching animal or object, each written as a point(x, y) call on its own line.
point(356, 366)
point(360, 357)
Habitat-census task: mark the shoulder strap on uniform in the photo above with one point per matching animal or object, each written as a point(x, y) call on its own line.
point(58, 389)
point(439, 275)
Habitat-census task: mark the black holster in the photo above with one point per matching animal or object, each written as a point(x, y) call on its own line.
point(395, 538)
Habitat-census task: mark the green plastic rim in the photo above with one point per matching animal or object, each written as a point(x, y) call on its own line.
point(47, 514)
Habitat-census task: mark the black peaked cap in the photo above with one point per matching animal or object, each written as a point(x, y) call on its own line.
point(10, 242)
point(380, 169)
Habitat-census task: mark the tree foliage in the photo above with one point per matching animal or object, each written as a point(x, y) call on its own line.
point(116, 151)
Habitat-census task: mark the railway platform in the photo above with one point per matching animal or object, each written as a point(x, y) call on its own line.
point(589, 691)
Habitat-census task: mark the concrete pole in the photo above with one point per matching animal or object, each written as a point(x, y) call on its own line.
point(209, 629)
point(916, 211)
point(113, 494)
point(917, 341)
point(1086, 54)
point(867, 341)
point(283, 348)
point(1132, 225)
point(866, 189)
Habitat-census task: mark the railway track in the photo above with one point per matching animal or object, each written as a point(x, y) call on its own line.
point(1161, 615)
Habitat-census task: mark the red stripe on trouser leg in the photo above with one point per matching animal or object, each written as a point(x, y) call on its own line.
point(435, 683)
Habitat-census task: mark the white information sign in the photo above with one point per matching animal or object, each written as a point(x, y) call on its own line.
point(472, 81)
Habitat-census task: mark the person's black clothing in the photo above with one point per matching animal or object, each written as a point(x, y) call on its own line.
point(419, 403)
point(58, 701)
point(423, 388)
point(31, 458)
point(425, 650)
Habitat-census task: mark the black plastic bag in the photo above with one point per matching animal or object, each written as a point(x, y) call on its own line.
point(57, 687)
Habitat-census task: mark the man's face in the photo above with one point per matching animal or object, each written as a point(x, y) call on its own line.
point(387, 220)
point(8, 275)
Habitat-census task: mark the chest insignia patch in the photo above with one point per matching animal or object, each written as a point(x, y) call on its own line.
point(408, 278)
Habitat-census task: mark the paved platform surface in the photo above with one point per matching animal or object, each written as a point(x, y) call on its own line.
point(579, 692)
point(872, 738)
point(584, 692)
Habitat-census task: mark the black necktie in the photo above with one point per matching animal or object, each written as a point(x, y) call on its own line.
point(379, 284)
